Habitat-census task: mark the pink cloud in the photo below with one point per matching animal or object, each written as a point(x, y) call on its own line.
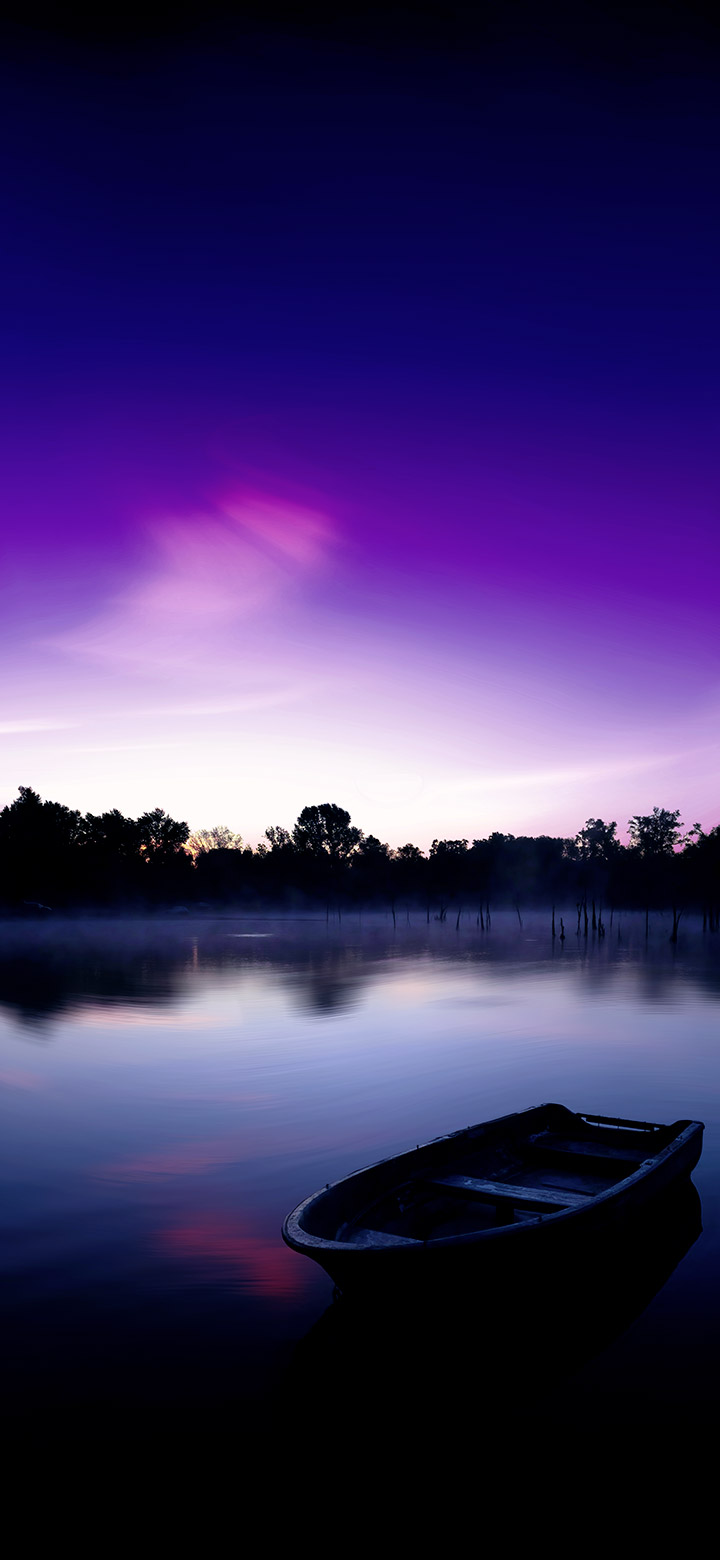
point(205, 576)
point(284, 530)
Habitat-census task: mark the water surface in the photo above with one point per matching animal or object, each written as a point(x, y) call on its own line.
point(169, 1090)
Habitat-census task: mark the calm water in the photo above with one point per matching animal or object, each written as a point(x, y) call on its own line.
point(169, 1091)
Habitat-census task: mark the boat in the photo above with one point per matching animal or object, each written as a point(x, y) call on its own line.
point(461, 1342)
point(537, 1181)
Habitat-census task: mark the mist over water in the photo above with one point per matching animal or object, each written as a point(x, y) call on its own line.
point(168, 1091)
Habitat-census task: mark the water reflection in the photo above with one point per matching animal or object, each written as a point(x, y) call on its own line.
point(205, 1076)
point(503, 1346)
point(47, 970)
point(231, 1249)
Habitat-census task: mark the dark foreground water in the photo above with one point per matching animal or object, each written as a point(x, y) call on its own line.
point(168, 1091)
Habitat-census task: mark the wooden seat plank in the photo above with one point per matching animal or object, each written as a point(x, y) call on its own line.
point(507, 1191)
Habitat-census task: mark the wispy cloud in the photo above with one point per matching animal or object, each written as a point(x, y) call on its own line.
point(17, 728)
point(124, 747)
point(560, 775)
point(261, 698)
point(206, 577)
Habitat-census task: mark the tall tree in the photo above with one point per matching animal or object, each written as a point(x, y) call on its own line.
point(220, 837)
point(372, 851)
point(111, 834)
point(280, 839)
point(597, 841)
point(654, 839)
point(655, 834)
point(161, 837)
point(325, 830)
point(37, 842)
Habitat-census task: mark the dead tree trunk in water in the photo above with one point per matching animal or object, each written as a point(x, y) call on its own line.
point(457, 923)
point(676, 922)
point(553, 922)
point(517, 907)
point(594, 917)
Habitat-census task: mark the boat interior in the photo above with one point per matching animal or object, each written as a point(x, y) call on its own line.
point(542, 1163)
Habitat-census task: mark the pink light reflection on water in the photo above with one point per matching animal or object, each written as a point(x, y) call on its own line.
point(258, 1263)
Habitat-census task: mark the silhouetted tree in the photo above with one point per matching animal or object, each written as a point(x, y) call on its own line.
point(447, 871)
point(280, 839)
point(51, 853)
point(109, 868)
point(654, 838)
point(372, 873)
point(596, 849)
point(37, 840)
point(655, 834)
point(324, 839)
point(370, 849)
point(220, 837)
point(701, 858)
point(161, 837)
point(597, 842)
point(326, 830)
point(223, 868)
point(409, 870)
point(111, 835)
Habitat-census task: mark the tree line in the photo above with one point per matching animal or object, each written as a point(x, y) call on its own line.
point(56, 857)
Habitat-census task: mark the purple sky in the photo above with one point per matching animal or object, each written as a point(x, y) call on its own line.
point(359, 437)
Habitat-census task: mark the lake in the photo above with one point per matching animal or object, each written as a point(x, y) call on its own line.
point(170, 1089)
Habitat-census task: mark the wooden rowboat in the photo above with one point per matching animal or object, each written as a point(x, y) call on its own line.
point(466, 1342)
point(523, 1183)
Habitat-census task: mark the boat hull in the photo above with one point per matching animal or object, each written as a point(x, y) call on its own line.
point(535, 1224)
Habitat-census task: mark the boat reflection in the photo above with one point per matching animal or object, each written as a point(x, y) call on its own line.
point(502, 1345)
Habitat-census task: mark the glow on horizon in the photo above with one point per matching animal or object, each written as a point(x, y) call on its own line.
point(222, 685)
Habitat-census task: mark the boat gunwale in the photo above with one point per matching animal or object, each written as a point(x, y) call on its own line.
point(303, 1241)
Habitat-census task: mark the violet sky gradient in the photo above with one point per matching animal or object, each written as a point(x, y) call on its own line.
point(359, 434)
